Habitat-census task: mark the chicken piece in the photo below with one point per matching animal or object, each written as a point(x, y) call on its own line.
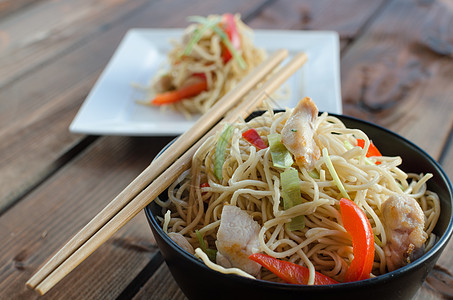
point(298, 132)
point(404, 223)
point(164, 84)
point(181, 241)
point(237, 239)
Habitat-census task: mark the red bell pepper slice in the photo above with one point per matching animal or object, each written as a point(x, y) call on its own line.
point(201, 75)
point(372, 150)
point(181, 93)
point(254, 138)
point(288, 271)
point(229, 26)
point(358, 226)
point(206, 184)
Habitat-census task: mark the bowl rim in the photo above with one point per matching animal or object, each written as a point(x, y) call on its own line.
point(442, 241)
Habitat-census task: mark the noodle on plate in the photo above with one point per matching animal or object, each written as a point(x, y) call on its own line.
point(213, 55)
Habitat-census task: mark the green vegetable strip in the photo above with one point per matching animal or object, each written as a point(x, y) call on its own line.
point(291, 196)
point(230, 47)
point(198, 33)
point(281, 157)
point(348, 145)
point(290, 188)
point(219, 31)
point(334, 174)
point(211, 253)
point(297, 223)
point(377, 240)
point(220, 149)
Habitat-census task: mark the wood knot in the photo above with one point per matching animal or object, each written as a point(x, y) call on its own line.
point(305, 17)
point(18, 260)
point(385, 83)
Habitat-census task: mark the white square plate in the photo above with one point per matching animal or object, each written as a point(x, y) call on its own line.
point(111, 107)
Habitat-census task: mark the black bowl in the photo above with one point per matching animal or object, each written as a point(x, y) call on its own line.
point(199, 282)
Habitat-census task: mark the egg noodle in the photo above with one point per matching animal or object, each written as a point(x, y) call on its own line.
point(252, 183)
point(201, 52)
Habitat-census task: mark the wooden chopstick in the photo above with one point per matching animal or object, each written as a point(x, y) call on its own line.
point(164, 180)
point(181, 144)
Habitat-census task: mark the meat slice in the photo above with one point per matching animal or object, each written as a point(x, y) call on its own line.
point(181, 241)
point(298, 132)
point(404, 223)
point(237, 239)
point(164, 84)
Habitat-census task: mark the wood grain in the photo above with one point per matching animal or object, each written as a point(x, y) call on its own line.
point(68, 201)
point(396, 71)
point(40, 126)
point(347, 17)
point(50, 37)
point(160, 286)
point(9, 7)
point(156, 178)
point(58, 89)
point(391, 77)
point(268, 18)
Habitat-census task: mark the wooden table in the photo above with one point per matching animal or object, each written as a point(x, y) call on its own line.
point(396, 71)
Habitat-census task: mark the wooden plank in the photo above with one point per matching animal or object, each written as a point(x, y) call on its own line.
point(30, 141)
point(35, 147)
point(88, 73)
point(347, 17)
point(41, 223)
point(161, 286)
point(9, 7)
point(391, 76)
point(34, 36)
point(439, 283)
point(65, 202)
point(395, 76)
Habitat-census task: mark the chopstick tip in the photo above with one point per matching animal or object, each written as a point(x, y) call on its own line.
point(30, 284)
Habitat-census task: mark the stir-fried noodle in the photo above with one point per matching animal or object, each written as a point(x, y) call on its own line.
point(201, 55)
point(251, 182)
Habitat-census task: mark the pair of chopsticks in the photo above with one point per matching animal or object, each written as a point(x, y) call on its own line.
point(148, 185)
